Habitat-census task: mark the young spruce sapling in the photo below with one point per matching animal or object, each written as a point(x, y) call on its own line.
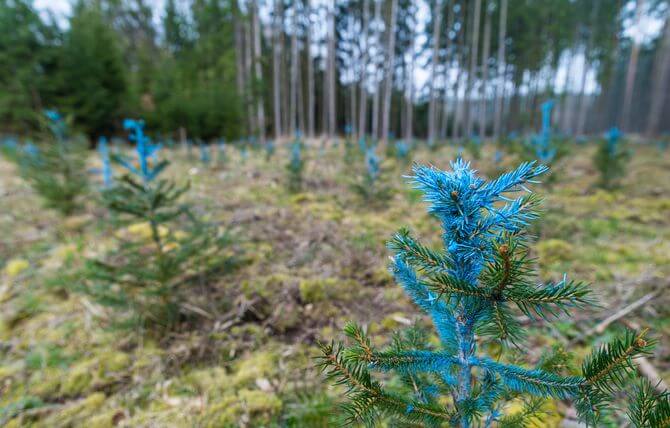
point(472, 289)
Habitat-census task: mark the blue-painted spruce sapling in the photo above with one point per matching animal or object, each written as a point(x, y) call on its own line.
point(295, 167)
point(204, 152)
point(56, 170)
point(369, 184)
point(270, 148)
point(163, 248)
point(402, 152)
point(474, 147)
point(473, 289)
point(610, 159)
point(545, 146)
point(221, 157)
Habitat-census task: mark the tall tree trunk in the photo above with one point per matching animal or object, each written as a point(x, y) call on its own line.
point(388, 72)
point(582, 103)
point(447, 68)
point(630, 73)
point(661, 76)
point(403, 110)
point(460, 104)
point(300, 95)
point(513, 122)
point(485, 72)
point(581, 98)
point(377, 94)
point(293, 107)
point(474, 52)
point(374, 130)
point(500, 88)
point(240, 59)
point(332, 95)
point(353, 111)
point(285, 74)
point(248, 65)
point(310, 71)
point(276, 68)
point(409, 105)
point(573, 102)
point(566, 110)
point(533, 96)
point(363, 103)
point(260, 107)
point(432, 103)
point(504, 108)
point(324, 83)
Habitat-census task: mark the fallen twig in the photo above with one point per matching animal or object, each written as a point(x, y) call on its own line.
point(619, 314)
point(602, 325)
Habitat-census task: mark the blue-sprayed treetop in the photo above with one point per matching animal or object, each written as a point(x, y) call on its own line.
point(372, 163)
point(56, 124)
point(613, 135)
point(401, 149)
point(466, 207)
point(145, 151)
point(547, 106)
point(362, 144)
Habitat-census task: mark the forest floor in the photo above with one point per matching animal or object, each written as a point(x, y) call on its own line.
point(312, 261)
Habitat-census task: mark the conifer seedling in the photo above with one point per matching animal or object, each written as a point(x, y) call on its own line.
point(474, 289)
point(474, 147)
point(610, 159)
point(56, 170)
point(402, 151)
point(164, 247)
point(369, 184)
point(295, 166)
point(204, 153)
point(221, 157)
point(269, 149)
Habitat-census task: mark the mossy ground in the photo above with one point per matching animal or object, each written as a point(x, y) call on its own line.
point(243, 355)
